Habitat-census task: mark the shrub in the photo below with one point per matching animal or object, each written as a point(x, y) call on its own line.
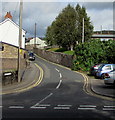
point(94, 52)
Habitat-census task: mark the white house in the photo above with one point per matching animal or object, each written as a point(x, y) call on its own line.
point(39, 43)
point(9, 32)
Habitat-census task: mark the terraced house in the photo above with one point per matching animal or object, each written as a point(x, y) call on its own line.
point(9, 37)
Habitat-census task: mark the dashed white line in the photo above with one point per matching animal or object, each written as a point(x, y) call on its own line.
point(60, 75)
point(1, 106)
point(108, 108)
point(92, 106)
point(86, 108)
point(56, 69)
point(61, 108)
point(16, 107)
point(37, 104)
point(59, 84)
point(64, 105)
point(38, 107)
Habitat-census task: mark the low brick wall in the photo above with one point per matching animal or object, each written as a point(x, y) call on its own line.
point(56, 57)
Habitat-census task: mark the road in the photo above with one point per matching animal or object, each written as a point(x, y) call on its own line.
point(61, 94)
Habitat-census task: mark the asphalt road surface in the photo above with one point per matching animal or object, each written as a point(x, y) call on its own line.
point(59, 95)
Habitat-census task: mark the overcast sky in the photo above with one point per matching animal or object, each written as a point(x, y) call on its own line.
point(44, 13)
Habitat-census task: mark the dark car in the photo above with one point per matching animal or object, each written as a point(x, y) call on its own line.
point(94, 69)
point(31, 56)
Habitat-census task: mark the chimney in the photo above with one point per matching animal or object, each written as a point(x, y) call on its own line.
point(8, 15)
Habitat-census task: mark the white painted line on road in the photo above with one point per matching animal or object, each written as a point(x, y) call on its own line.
point(47, 105)
point(59, 84)
point(109, 109)
point(109, 106)
point(33, 107)
point(64, 105)
point(56, 69)
point(1, 106)
point(60, 75)
point(37, 104)
point(16, 107)
point(61, 108)
point(86, 108)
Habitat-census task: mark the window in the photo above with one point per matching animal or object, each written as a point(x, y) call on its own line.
point(1, 48)
point(107, 67)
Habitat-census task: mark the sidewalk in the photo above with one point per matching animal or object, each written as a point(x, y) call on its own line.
point(29, 78)
point(98, 86)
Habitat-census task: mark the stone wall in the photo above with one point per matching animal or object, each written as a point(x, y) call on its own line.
point(10, 51)
point(56, 57)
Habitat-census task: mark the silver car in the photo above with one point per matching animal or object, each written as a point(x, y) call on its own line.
point(109, 78)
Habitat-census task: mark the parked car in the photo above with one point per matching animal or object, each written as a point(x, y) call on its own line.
point(94, 69)
point(105, 68)
point(31, 56)
point(109, 78)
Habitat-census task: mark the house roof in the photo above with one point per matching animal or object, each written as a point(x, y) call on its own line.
point(8, 19)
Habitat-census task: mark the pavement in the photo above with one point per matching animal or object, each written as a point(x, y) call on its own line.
point(98, 86)
point(31, 79)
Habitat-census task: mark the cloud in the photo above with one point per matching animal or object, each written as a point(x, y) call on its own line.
point(44, 13)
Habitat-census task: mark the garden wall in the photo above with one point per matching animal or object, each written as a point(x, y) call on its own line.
point(56, 57)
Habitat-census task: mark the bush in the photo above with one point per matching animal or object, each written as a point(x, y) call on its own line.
point(94, 52)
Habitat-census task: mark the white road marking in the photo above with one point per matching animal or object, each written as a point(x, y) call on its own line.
point(59, 84)
point(1, 106)
point(64, 105)
point(86, 108)
point(37, 104)
point(16, 107)
point(57, 70)
point(61, 108)
point(108, 108)
point(60, 75)
point(46, 105)
point(35, 107)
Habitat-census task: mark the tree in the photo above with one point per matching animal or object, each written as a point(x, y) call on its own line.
point(88, 27)
point(66, 29)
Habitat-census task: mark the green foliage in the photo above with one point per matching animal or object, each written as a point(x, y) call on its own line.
point(94, 52)
point(66, 29)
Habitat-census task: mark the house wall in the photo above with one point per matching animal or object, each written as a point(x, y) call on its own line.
point(10, 33)
point(9, 57)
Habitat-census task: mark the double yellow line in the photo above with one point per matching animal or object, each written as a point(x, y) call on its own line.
point(87, 88)
point(32, 85)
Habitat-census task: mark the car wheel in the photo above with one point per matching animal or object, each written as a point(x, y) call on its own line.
point(103, 76)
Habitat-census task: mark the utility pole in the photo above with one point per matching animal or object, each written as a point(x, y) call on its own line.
point(35, 36)
point(83, 32)
point(20, 40)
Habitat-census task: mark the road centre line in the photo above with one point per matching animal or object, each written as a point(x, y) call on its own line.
point(60, 75)
point(59, 84)
point(57, 70)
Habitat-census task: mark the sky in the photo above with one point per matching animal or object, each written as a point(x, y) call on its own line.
point(44, 13)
